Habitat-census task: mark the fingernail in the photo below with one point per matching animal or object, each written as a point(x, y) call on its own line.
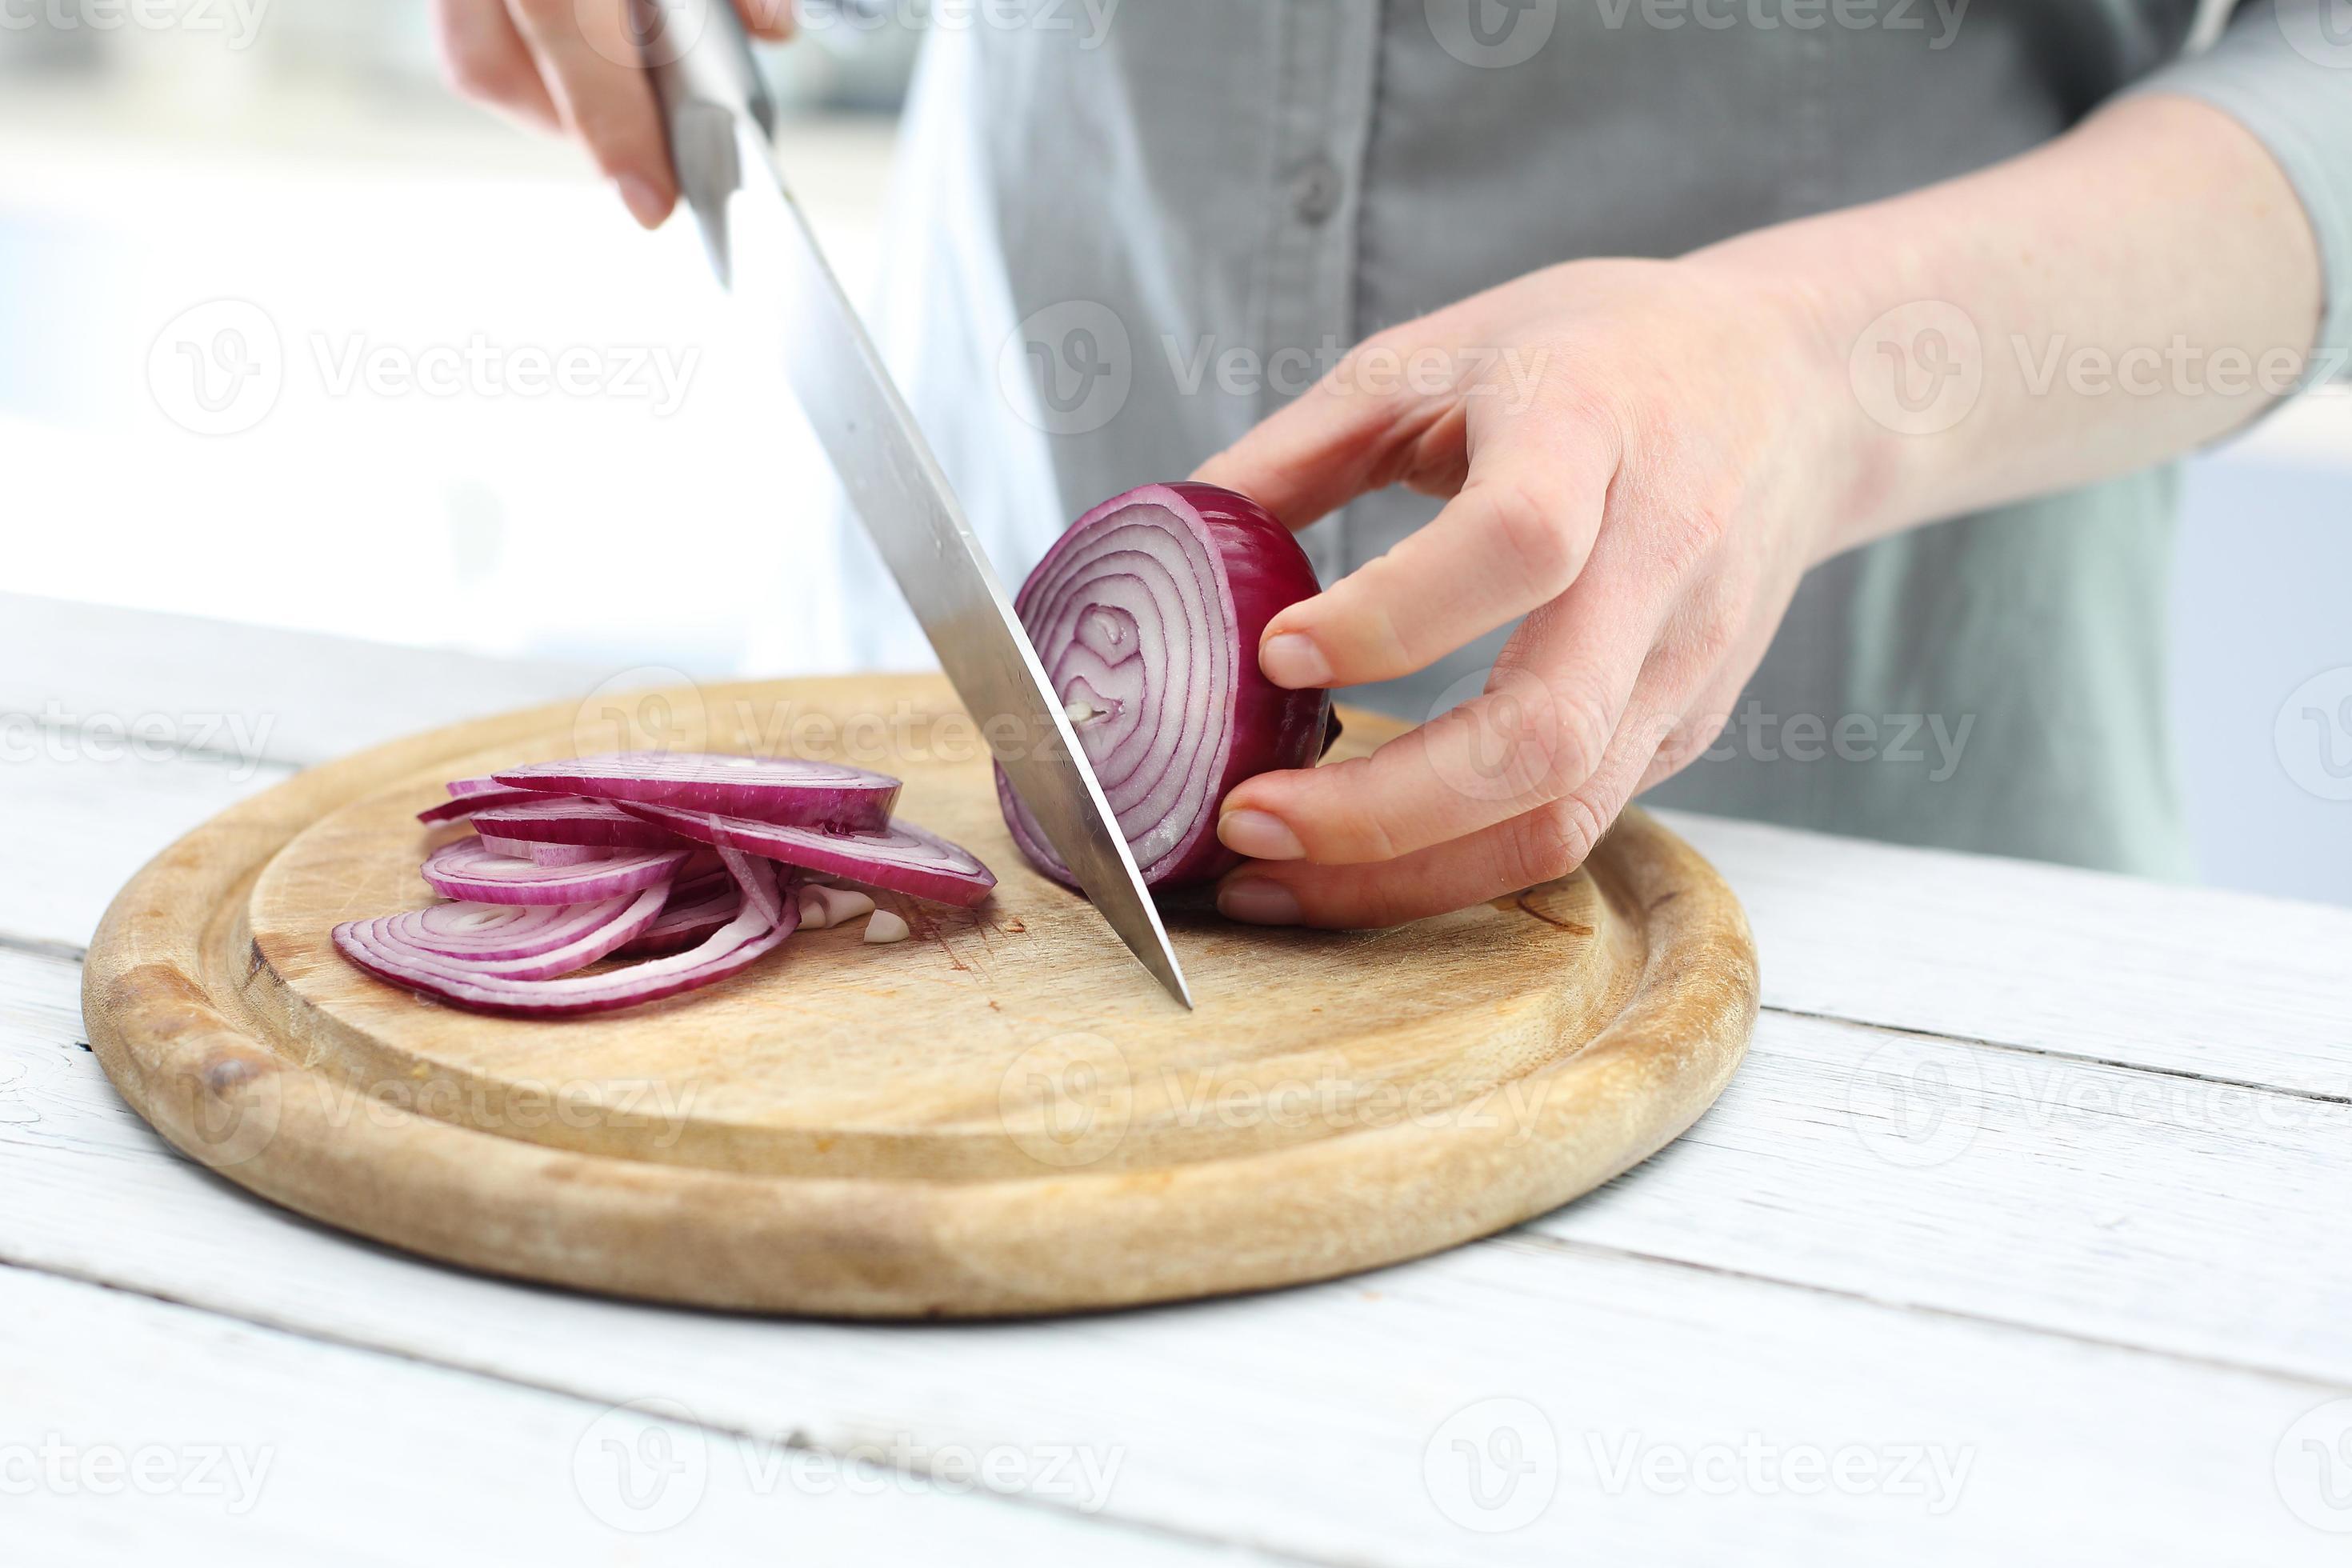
point(1260, 835)
point(1257, 900)
point(644, 202)
point(1292, 659)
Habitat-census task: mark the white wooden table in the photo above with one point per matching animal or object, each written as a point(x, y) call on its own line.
point(2021, 1235)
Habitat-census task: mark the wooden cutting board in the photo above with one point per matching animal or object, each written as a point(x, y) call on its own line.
point(1005, 1115)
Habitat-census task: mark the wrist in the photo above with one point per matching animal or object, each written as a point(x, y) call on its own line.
point(1863, 475)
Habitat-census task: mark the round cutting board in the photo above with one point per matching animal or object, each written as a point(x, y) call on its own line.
point(1003, 1115)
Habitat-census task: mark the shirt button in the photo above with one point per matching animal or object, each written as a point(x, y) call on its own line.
point(1314, 191)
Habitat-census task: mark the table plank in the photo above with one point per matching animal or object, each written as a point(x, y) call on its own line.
point(75, 825)
point(266, 1447)
point(2228, 985)
point(249, 691)
point(2168, 1213)
point(1305, 1421)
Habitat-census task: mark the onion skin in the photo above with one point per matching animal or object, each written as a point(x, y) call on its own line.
point(1260, 570)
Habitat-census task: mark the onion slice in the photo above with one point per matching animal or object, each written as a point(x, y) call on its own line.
point(618, 923)
point(473, 800)
point(569, 820)
point(493, 932)
point(742, 941)
point(695, 909)
point(790, 790)
point(467, 869)
point(901, 857)
point(1147, 616)
point(541, 854)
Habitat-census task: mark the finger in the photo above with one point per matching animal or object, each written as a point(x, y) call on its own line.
point(1516, 536)
point(1534, 847)
point(486, 60)
point(771, 19)
point(589, 56)
point(1539, 730)
point(1705, 718)
point(1359, 428)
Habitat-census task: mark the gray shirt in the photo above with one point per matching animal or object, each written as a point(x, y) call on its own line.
point(1119, 245)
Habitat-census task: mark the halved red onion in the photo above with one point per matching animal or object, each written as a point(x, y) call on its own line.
point(616, 922)
point(568, 819)
point(1147, 616)
point(791, 790)
point(467, 869)
point(742, 941)
point(900, 856)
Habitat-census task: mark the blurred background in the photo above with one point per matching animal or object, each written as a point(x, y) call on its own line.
point(351, 235)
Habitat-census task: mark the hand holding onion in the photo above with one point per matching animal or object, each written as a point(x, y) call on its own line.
point(1639, 457)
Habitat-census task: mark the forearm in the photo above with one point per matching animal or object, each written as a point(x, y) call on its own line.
point(2142, 285)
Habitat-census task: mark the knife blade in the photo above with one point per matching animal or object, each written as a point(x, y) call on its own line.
point(720, 121)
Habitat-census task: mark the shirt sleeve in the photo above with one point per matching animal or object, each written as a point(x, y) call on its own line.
point(2284, 69)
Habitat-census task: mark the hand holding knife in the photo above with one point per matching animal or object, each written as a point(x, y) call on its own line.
point(720, 121)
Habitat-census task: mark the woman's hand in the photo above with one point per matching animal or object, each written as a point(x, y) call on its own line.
point(572, 66)
point(1642, 458)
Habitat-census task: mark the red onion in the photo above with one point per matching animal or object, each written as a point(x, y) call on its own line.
point(766, 789)
point(900, 856)
point(695, 909)
point(471, 800)
point(466, 869)
point(569, 820)
point(743, 940)
point(618, 923)
point(762, 891)
point(492, 932)
point(541, 854)
point(1147, 616)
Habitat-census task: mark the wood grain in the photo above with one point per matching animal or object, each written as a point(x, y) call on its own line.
point(265, 1446)
point(1003, 1121)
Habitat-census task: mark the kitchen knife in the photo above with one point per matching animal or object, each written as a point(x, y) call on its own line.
point(720, 121)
